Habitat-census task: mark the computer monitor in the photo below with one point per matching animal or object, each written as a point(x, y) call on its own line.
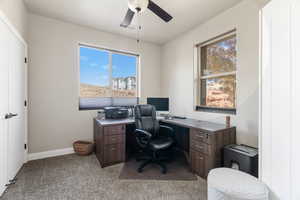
point(161, 104)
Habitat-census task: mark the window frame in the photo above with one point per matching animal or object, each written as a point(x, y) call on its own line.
point(111, 52)
point(199, 77)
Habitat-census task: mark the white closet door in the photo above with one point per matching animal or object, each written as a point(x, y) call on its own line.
point(4, 67)
point(16, 127)
point(280, 99)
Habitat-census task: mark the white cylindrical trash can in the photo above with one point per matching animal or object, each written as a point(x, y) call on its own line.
point(230, 184)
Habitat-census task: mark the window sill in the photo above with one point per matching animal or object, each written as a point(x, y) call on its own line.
point(231, 111)
point(91, 109)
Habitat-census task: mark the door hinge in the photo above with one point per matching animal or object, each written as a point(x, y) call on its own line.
point(25, 60)
point(11, 182)
point(25, 146)
point(25, 103)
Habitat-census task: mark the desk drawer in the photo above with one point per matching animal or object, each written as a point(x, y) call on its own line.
point(114, 139)
point(198, 163)
point(114, 130)
point(114, 153)
point(197, 135)
point(201, 147)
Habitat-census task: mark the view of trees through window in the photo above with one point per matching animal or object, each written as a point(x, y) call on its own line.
point(107, 74)
point(218, 73)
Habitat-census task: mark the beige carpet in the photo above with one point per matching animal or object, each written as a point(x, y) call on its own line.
point(81, 178)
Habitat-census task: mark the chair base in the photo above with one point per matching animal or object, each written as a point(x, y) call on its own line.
point(145, 163)
point(149, 160)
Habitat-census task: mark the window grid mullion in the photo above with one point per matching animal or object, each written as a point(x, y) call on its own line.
point(218, 75)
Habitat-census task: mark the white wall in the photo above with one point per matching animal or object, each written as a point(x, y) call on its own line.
point(54, 119)
point(177, 68)
point(16, 12)
point(279, 142)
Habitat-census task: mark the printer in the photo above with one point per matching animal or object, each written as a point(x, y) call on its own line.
point(116, 112)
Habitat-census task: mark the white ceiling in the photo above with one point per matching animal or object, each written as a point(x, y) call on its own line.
point(106, 15)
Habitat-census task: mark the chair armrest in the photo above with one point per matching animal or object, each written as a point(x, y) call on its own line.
point(167, 130)
point(143, 137)
point(141, 133)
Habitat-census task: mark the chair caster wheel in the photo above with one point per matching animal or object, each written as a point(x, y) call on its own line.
point(140, 170)
point(164, 171)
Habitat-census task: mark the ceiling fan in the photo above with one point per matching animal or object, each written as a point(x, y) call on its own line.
point(138, 6)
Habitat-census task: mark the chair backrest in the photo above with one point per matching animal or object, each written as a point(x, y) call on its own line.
point(145, 119)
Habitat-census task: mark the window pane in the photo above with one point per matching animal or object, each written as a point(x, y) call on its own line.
point(124, 75)
point(94, 73)
point(219, 57)
point(219, 92)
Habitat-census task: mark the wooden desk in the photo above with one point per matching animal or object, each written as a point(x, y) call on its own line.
point(203, 147)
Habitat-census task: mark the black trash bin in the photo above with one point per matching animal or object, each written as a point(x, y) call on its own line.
point(241, 157)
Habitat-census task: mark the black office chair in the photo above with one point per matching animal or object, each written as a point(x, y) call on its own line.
point(154, 139)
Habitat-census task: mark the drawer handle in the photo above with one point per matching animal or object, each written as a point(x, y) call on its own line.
point(113, 149)
point(200, 158)
point(199, 136)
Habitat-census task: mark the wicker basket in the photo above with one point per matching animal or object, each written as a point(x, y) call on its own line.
point(83, 148)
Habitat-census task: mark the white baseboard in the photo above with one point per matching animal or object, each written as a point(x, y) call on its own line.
point(48, 154)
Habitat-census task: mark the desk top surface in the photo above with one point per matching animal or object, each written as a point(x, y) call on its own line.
point(188, 123)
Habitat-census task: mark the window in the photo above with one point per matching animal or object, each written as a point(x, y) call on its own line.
point(107, 78)
point(217, 74)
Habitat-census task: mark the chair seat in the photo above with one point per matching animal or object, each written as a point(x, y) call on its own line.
point(161, 143)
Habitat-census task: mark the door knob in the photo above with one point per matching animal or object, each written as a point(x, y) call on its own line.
point(10, 115)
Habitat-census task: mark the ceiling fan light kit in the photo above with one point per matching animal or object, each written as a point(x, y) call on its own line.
point(139, 6)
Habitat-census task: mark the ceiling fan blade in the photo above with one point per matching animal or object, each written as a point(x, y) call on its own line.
point(128, 18)
point(159, 11)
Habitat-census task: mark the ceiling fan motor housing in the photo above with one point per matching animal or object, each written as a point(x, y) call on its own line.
point(138, 5)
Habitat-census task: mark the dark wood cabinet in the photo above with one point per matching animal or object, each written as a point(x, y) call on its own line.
point(110, 143)
point(206, 149)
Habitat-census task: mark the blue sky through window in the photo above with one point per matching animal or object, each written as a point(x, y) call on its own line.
point(123, 65)
point(94, 66)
